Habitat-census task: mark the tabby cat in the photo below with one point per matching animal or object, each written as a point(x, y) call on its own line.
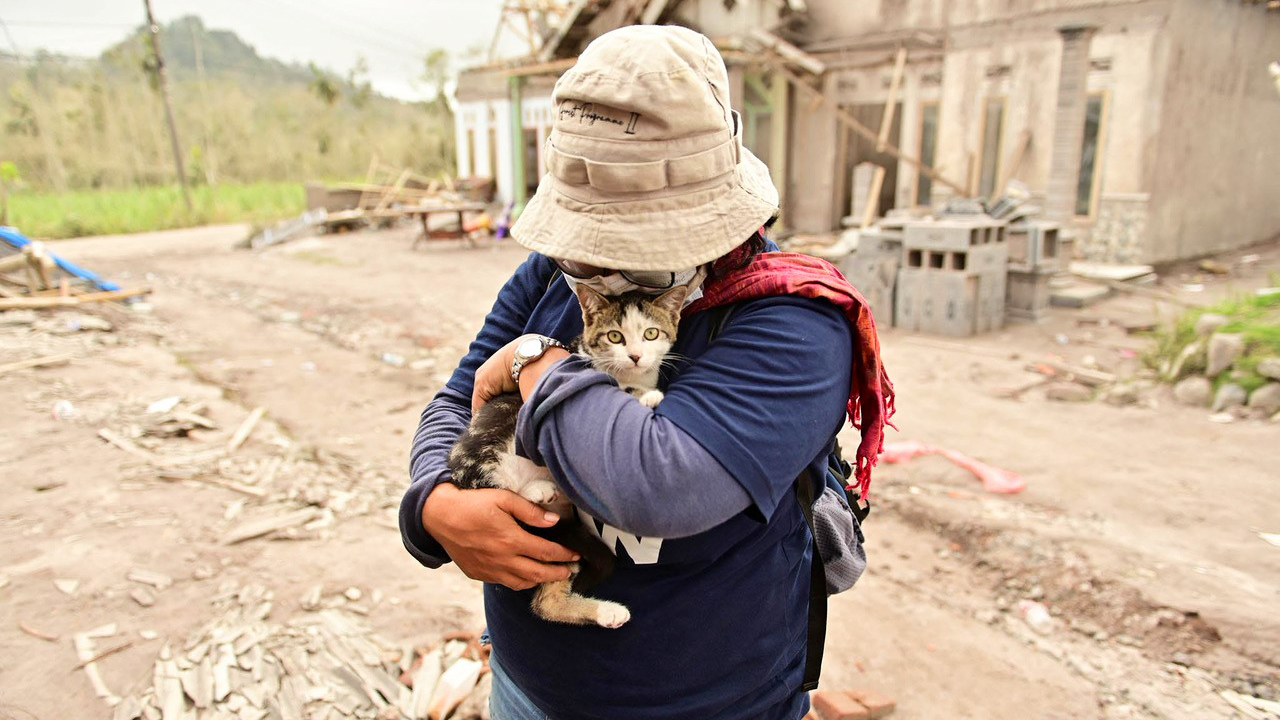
point(627, 337)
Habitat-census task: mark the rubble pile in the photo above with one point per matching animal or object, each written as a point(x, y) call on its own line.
point(324, 664)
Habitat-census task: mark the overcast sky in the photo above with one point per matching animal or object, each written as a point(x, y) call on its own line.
point(392, 35)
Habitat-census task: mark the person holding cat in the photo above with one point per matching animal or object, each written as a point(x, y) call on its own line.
point(648, 188)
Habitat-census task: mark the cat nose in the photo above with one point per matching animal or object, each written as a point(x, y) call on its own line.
point(635, 359)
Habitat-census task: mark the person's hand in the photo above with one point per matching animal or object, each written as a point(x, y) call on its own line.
point(478, 529)
point(493, 378)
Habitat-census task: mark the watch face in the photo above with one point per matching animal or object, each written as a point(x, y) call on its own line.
point(529, 348)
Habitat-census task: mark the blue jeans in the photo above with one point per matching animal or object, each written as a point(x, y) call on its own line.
point(506, 701)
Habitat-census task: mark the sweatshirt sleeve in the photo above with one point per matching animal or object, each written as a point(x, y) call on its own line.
point(449, 413)
point(734, 430)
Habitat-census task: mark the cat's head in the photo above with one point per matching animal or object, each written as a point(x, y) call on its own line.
point(628, 335)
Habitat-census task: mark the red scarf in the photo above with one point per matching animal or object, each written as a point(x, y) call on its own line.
point(781, 273)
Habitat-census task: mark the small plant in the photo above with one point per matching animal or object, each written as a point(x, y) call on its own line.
point(9, 177)
point(1256, 318)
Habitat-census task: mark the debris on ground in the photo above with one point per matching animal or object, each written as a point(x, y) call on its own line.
point(33, 277)
point(321, 664)
point(849, 705)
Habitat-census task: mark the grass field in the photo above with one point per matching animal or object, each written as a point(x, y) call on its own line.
point(79, 213)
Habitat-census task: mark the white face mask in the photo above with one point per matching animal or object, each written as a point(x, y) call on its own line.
point(617, 284)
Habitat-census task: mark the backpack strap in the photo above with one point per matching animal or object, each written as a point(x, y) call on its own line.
point(805, 487)
point(816, 641)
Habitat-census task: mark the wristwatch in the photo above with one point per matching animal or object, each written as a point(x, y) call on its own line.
point(531, 349)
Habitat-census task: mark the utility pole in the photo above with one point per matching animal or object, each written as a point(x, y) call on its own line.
point(154, 34)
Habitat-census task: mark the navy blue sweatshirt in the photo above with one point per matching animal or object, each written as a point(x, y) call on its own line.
point(695, 497)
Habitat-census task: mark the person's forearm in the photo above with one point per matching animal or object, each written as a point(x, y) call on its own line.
point(443, 420)
point(620, 461)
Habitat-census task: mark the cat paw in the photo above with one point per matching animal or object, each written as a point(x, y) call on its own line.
point(612, 615)
point(541, 492)
point(651, 398)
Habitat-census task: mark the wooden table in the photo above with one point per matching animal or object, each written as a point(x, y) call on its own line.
point(426, 211)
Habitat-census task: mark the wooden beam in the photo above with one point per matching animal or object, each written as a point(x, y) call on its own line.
point(57, 301)
point(789, 52)
point(35, 362)
point(391, 194)
point(873, 198)
point(852, 122)
point(551, 67)
point(891, 105)
point(1011, 168)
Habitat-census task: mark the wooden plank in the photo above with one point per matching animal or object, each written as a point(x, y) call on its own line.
point(391, 194)
point(126, 445)
point(873, 198)
point(35, 362)
point(258, 527)
point(1022, 144)
point(246, 427)
point(789, 52)
point(853, 123)
point(58, 301)
point(891, 105)
point(552, 67)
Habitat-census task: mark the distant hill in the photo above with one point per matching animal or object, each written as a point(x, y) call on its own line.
point(98, 122)
point(221, 51)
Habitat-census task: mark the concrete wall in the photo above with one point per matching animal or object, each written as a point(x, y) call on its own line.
point(1215, 177)
point(479, 115)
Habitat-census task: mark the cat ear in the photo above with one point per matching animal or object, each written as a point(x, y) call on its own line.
point(672, 300)
point(591, 301)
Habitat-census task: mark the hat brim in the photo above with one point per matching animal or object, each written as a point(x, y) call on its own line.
point(672, 233)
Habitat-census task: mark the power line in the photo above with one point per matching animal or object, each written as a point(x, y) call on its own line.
point(63, 23)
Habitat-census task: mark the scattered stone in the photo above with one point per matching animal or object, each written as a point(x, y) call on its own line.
point(1210, 323)
point(876, 704)
point(143, 596)
point(1222, 418)
point(1269, 368)
point(1266, 398)
point(353, 594)
point(1224, 350)
point(68, 587)
point(392, 359)
point(157, 580)
point(1229, 396)
point(1129, 393)
point(1068, 392)
point(1194, 391)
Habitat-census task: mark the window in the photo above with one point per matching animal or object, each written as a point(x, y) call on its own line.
point(471, 152)
point(992, 134)
point(928, 149)
point(1090, 167)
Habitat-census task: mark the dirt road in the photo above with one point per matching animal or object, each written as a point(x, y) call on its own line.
point(1138, 530)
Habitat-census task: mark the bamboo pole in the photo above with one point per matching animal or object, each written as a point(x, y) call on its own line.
point(154, 35)
point(891, 105)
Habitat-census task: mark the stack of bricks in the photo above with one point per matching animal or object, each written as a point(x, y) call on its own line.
point(952, 278)
point(1036, 253)
point(873, 270)
point(850, 705)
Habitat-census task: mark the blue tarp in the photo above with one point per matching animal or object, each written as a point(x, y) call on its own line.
point(15, 240)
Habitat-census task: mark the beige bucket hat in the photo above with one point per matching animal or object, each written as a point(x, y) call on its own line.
point(645, 164)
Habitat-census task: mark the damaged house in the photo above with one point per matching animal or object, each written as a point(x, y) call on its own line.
point(1145, 127)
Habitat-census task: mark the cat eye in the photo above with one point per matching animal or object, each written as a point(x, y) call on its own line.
point(651, 334)
point(615, 336)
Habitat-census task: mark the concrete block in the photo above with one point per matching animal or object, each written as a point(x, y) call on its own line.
point(972, 260)
point(873, 270)
point(1027, 293)
point(949, 303)
point(953, 233)
point(1035, 245)
point(1078, 295)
